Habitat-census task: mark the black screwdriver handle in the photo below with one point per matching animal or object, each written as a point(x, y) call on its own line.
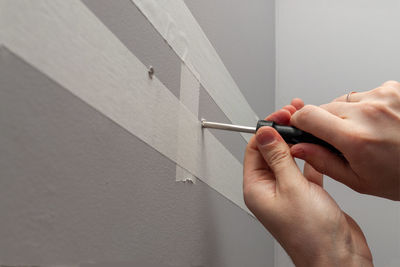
point(292, 135)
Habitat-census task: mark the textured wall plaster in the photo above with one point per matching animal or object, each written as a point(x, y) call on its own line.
point(75, 187)
point(137, 34)
point(78, 190)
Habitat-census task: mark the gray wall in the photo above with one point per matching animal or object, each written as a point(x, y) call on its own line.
point(243, 32)
point(78, 190)
point(329, 48)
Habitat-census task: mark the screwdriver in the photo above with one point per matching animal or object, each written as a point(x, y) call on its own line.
point(290, 134)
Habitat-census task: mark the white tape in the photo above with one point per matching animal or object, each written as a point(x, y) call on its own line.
point(190, 90)
point(64, 40)
point(174, 21)
point(189, 96)
point(183, 175)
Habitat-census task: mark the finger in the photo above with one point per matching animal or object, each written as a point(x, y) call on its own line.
point(389, 93)
point(281, 116)
point(351, 97)
point(297, 103)
point(322, 124)
point(254, 166)
point(325, 162)
point(340, 109)
point(290, 108)
point(312, 175)
point(254, 163)
point(276, 153)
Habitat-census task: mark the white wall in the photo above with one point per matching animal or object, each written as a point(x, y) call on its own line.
point(326, 49)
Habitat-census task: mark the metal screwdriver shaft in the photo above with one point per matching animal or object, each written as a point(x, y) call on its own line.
point(228, 127)
point(290, 134)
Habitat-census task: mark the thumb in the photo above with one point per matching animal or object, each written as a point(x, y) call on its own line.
point(277, 154)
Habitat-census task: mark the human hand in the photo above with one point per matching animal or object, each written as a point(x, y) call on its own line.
point(295, 208)
point(366, 130)
point(283, 117)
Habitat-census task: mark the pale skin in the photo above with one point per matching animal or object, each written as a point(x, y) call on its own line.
point(366, 130)
point(293, 206)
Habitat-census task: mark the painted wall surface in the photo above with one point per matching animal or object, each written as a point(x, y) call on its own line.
point(76, 189)
point(144, 41)
point(243, 32)
point(329, 48)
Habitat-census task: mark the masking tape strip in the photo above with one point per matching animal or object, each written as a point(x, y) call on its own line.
point(65, 41)
point(176, 24)
point(190, 90)
point(189, 96)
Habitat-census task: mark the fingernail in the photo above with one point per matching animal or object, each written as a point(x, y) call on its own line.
point(265, 137)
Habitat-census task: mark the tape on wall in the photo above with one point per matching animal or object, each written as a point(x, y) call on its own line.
point(64, 40)
point(189, 97)
point(176, 24)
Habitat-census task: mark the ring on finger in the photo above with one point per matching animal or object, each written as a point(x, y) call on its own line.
point(349, 95)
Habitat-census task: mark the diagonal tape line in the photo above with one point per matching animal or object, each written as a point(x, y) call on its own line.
point(86, 58)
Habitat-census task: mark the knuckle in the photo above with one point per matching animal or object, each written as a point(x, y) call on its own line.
point(388, 90)
point(278, 158)
point(378, 92)
point(393, 93)
point(303, 113)
point(308, 108)
point(391, 83)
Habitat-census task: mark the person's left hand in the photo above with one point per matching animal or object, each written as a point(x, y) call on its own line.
point(295, 208)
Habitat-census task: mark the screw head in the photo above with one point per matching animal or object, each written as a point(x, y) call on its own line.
point(151, 72)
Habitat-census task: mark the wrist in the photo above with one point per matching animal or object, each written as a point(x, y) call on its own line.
point(334, 256)
point(344, 249)
point(337, 260)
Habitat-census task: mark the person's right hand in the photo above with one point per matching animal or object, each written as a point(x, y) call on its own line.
point(366, 130)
